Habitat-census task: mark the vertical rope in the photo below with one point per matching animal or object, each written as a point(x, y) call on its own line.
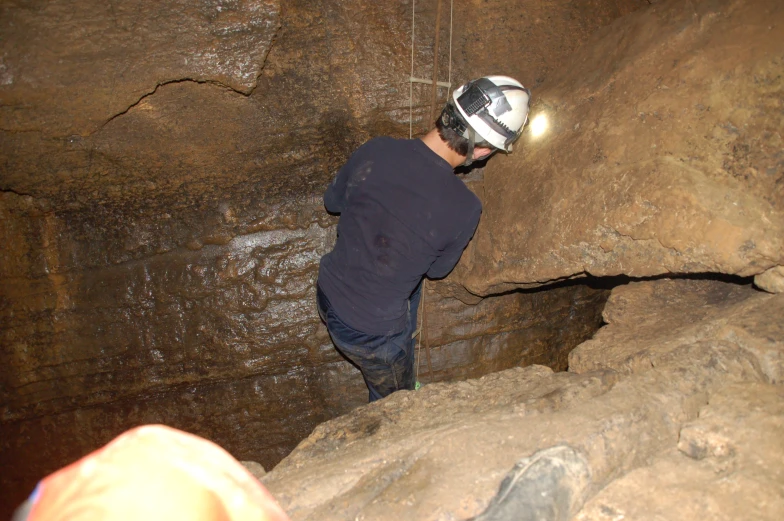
point(420, 321)
point(434, 92)
point(411, 83)
point(449, 78)
point(424, 332)
point(422, 316)
point(410, 136)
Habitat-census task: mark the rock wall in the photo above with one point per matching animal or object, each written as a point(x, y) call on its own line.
point(222, 341)
point(688, 418)
point(162, 164)
point(662, 155)
point(260, 97)
point(70, 66)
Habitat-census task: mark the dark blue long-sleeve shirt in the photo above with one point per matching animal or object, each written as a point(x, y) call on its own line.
point(404, 214)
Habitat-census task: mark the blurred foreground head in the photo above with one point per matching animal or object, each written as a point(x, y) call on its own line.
point(152, 473)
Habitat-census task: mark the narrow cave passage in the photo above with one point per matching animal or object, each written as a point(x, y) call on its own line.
point(260, 414)
point(517, 328)
point(186, 322)
point(162, 221)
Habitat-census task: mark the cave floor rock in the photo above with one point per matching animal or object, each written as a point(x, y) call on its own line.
point(699, 420)
point(728, 465)
point(655, 323)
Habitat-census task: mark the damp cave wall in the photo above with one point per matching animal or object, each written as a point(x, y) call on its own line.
point(662, 161)
point(161, 220)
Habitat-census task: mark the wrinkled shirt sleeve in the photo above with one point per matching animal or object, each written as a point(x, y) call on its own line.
point(335, 196)
point(446, 262)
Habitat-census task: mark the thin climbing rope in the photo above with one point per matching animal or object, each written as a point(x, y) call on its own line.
point(449, 77)
point(421, 322)
point(411, 77)
point(411, 83)
point(434, 89)
point(419, 335)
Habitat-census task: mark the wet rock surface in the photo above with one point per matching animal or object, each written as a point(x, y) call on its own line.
point(161, 227)
point(161, 220)
point(441, 452)
point(221, 340)
point(662, 155)
point(516, 329)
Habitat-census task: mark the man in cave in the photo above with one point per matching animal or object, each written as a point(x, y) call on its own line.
point(404, 215)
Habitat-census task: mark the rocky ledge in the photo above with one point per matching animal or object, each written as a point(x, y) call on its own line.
point(682, 422)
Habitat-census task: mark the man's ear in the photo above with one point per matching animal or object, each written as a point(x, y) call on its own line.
point(482, 152)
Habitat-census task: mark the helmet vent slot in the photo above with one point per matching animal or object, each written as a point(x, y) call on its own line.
point(473, 100)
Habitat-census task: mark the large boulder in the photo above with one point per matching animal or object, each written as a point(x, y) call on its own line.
point(727, 465)
point(698, 390)
point(662, 155)
point(686, 312)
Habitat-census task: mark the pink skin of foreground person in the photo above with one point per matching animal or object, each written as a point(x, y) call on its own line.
point(155, 473)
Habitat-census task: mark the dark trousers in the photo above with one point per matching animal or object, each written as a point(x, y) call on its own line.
point(386, 361)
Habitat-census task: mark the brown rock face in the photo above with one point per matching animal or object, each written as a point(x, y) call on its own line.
point(688, 312)
point(707, 400)
point(771, 280)
point(727, 462)
point(161, 225)
point(662, 155)
point(222, 341)
point(160, 214)
point(190, 104)
point(69, 66)
point(733, 451)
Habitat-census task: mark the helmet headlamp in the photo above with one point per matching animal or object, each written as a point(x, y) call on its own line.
point(492, 110)
point(486, 100)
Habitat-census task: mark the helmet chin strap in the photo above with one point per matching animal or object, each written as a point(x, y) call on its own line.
point(471, 141)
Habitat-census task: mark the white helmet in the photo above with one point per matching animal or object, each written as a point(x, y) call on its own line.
point(494, 107)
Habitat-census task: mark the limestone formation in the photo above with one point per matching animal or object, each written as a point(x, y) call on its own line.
point(662, 155)
point(161, 225)
point(222, 335)
point(771, 280)
point(699, 399)
point(727, 466)
point(161, 221)
point(688, 312)
point(70, 66)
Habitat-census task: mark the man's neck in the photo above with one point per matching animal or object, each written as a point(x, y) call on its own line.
point(437, 145)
